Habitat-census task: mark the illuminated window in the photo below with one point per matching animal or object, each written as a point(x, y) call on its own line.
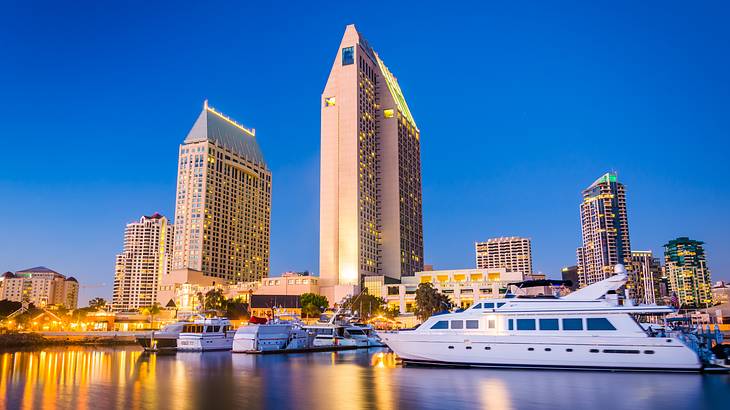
point(348, 55)
point(389, 113)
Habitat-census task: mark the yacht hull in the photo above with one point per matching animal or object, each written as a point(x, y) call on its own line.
point(205, 343)
point(594, 353)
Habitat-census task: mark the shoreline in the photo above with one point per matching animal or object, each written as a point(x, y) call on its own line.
point(20, 341)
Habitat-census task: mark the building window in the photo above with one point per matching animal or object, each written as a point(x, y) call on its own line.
point(389, 113)
point(348, 55)
point(572, 324)
point(548, 324)
point(600, 323)
point(526, 324)
point(472, 324)
point(441, 324)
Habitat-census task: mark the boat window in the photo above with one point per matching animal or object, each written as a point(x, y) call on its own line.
point(621, 351)
point(491, 323)
point(599, 323)
point(457, 324)
point(355, 331)
point(525, 324)
point(472, 324)
point(489, 305)
point(216, 328)
point(548, 324)
point(208, 329)
point(499, 305)
point(477, 306)
point(572, 324)
point(441, 324)
point(510, 324)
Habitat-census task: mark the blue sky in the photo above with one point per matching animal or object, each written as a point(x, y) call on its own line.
point(520, 106)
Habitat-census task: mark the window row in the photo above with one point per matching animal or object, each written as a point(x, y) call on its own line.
point(599, 323)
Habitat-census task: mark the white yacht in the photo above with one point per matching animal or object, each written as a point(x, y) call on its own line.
point(277, 335)
point(329, 331)
point(363, 335)
point(206, 334)
point(588, 329)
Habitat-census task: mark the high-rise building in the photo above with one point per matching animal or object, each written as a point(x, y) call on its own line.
point(686, 267)
point(42, 287)
point(647, 273)
point(570, 273)
point(223, 208)
point(147, 256)
point(370, 183)
point(511, 253)
point(605, 228)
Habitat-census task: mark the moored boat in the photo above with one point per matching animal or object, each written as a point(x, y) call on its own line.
point(591, 328)
point(163, 340)
point(206, 334)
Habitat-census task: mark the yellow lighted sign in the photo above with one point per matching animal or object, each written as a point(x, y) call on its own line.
point(329, 101)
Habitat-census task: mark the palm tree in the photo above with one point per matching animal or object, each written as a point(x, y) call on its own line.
point(151, 311)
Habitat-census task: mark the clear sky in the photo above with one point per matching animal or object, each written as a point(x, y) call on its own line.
point(520, 106)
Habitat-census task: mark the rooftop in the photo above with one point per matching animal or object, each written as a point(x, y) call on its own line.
point(213, 126)
point(37, 269)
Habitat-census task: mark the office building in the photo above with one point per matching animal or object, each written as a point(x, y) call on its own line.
point(605, 230)
point(42, 287)
point(146, 258)
point(686, 267)
point(223, 208)
point(570, 273)
point(370, 180)
point(647, 273)
point(511, 253)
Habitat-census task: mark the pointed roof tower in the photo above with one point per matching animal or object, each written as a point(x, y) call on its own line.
point(214, 126)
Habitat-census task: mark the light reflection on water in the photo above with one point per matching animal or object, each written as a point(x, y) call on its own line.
point(86, 378)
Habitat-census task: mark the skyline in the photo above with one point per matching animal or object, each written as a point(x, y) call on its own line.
point(498, 141)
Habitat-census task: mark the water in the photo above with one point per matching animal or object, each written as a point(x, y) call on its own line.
point(126, 378)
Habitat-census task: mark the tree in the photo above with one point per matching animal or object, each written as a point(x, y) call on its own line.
point(151, 311)
point(215, 299)
point(97, 303)
point(237, 309)
point(430, 301)
point(312, 304)
point(7, 307)
point(366, 305)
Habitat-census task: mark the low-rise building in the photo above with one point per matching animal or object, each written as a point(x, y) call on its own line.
point(721, 292)
point(42, 287)
point(463, 286)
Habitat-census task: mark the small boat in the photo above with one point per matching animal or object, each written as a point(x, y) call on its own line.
point(278, 335)
point(163, 340)
point(206, 334)
point(364, 335)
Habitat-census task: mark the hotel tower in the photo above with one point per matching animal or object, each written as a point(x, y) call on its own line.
point(605, 228)
point(223, 206)
point(147, 256)
point(370, 187)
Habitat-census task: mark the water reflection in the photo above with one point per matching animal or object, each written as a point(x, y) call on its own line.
point(84, 378)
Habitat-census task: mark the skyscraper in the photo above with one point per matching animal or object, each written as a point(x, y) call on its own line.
point(370, 186)
point(605, 228)
point(223, 208)
point(147, 256)
point(511, 253)
point(686, 267)
point(647, 273)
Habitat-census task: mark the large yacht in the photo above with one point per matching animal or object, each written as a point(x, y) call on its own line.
point(206, 334)
point(591, 328)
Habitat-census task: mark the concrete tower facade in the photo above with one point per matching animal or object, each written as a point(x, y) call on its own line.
point(370, 186)
point(511, 253)
point(685, 264)
point(648, 272)
point(223, 208)
point(146, 258)
point(605, 228)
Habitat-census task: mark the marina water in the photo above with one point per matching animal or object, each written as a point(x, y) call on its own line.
point(125, 377)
